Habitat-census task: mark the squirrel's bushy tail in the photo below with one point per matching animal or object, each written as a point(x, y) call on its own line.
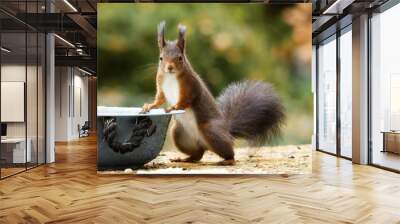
point(252, 111)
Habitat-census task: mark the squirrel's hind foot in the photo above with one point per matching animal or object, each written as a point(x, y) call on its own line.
point(184, 160)
point(227, 162)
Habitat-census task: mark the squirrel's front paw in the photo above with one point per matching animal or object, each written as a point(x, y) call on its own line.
point(169, 109)
point(146, 108)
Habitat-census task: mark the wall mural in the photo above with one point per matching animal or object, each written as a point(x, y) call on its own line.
point(204, 89)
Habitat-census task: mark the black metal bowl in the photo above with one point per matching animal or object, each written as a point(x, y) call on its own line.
point(128, 139)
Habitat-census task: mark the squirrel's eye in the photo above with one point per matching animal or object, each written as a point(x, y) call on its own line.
point(160, 58)
point(180, 58)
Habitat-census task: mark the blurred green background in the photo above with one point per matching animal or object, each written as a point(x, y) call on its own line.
point(225, 43)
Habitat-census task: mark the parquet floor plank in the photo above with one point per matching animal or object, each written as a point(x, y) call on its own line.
point(71, 191)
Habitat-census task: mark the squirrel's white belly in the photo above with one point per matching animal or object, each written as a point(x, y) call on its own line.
point(187, 120)
point(170, 88)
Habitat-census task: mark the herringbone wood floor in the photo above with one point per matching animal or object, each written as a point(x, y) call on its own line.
point(70, 191)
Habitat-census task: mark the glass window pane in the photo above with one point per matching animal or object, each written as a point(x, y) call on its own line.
point(23, 90)
point(31, 97)
point(345, 94)
point(14, 152)
point(327, 96)
point(386, 89)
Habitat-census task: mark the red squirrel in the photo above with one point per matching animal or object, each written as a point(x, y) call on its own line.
point(249, 109)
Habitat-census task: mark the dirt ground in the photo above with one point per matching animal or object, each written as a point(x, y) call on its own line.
point(290, 159)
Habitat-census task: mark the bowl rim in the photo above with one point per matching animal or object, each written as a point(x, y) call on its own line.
point(104, 111)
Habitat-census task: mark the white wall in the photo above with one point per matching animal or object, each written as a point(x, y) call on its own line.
point(16, 73)
point(62, 81)
point(13, 100)
point(80, 109)
point(33, 126)
point(71, 94)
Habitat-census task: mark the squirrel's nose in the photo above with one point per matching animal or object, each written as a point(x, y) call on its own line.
point(170, 67)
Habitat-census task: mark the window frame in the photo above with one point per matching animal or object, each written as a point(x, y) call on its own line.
point(26, 30)
point(333, 37)
point(381, 9)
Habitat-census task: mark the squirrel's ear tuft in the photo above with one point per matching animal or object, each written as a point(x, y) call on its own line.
point(181, 37)
point(161, 34)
